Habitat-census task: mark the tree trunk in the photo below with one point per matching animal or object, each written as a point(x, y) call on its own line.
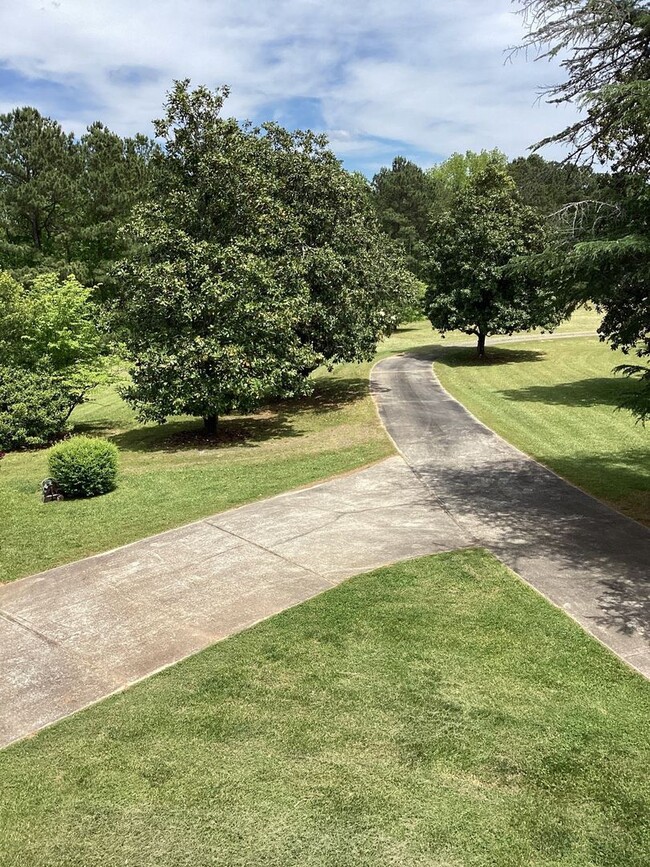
point(210, 424)
point(481, 344)
point(36, 232)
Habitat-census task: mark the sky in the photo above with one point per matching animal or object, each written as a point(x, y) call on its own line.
point(417, 78)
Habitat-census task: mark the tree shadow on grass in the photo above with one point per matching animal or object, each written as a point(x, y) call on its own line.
point(189, 434)
point(330, 395)
point(615, 476)
point(597, 391)
point(100, 428)
point(273, 422)
point(455, 356)
point(553, 533)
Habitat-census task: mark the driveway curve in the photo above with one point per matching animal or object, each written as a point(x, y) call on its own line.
point(585, 557)
point(75, 634)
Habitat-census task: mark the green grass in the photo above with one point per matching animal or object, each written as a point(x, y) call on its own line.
point(438, 712)
point(170, 474)
point(419, 333)
point(556, 401)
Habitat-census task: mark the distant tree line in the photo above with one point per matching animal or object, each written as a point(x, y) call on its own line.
point(224, 262)
point(63, 199)
point(467, 224)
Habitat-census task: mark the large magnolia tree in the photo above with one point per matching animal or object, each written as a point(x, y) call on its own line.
point(257, 259)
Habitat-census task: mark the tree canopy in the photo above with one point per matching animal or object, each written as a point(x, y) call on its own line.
point(257, 259)
point(471, 285)
point(548, 185)
point(37, 180)
point(604, 46)
point(402, 197)
point(51, 325)
point(51, 354)
point(62, 200)
point(448, 178)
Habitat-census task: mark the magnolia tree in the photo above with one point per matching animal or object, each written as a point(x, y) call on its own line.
point(257, 259)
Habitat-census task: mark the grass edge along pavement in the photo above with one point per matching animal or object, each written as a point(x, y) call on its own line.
point(170, 476)
point(556, 402)
point(437, 711)
point(163, 487)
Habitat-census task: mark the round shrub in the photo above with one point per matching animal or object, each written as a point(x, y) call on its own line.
point(34, 408)
point(83, 466)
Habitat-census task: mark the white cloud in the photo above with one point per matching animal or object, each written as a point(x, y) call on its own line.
point(430, 76)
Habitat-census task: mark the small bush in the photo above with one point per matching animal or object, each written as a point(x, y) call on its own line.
point(34, 408)
point(83, 466)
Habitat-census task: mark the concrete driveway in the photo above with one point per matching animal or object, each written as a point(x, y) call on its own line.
point(73, 635)
point(582, 555)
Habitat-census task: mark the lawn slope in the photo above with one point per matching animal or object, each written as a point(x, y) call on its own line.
point(438, 712)
point(171, 474)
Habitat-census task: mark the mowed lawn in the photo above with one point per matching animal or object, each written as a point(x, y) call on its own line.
point(438, 712)
point(171, 474)
point(556, 401)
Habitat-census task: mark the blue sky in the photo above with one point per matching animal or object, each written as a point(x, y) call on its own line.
point(419, 79)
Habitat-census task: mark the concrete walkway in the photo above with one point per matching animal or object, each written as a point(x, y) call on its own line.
point(582, 555)
point(73, 635)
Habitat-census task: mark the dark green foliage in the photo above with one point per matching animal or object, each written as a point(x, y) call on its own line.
point(638, 402)
point(62, 200)
point(34, 408)
point(604, 48)
point(38, 169)
point(610, 269)
point(83, 466)
point(115, 175)
point(402, 198)
point(548, 185)
point(604, 257)
point(258, 259)
point(472, 287)
point(605, 51)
